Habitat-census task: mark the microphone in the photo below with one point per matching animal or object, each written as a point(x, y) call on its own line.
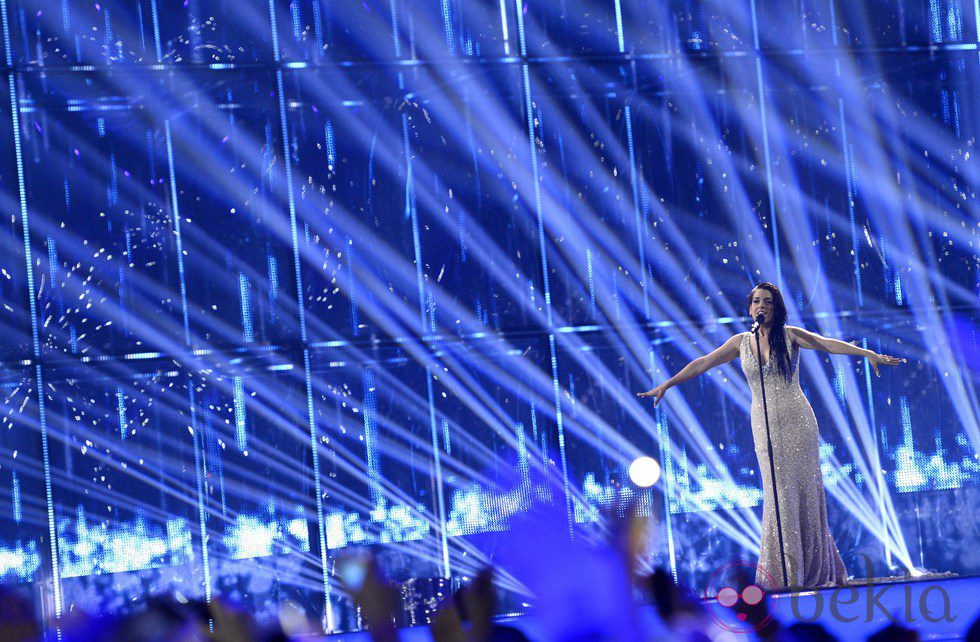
point(759, 320)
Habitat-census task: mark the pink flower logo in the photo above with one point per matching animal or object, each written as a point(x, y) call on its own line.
point(740, 603)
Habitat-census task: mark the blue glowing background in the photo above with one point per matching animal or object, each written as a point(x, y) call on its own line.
point(277, 279)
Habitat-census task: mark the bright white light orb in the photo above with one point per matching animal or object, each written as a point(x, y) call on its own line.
point(644, 471)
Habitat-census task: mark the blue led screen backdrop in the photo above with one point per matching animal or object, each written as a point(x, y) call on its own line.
point(281, 279)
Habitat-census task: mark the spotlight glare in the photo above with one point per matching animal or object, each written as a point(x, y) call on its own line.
point(644, 471)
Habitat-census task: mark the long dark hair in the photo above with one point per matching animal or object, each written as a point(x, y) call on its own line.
point(777, 334)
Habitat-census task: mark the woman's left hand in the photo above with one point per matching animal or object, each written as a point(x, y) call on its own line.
point(882, 360)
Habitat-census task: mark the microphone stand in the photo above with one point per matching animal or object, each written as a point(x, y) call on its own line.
point(772, 464)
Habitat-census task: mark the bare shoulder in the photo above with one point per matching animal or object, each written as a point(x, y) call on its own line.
point(792, 335)
point(737, 339)
point(800, 337)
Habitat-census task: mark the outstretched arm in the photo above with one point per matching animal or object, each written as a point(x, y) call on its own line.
point(727, 352)
point(814, 341)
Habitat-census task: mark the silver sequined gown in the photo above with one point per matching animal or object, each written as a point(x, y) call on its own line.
point(812, 558)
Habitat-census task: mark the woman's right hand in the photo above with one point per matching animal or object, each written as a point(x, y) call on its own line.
point(657, 394)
